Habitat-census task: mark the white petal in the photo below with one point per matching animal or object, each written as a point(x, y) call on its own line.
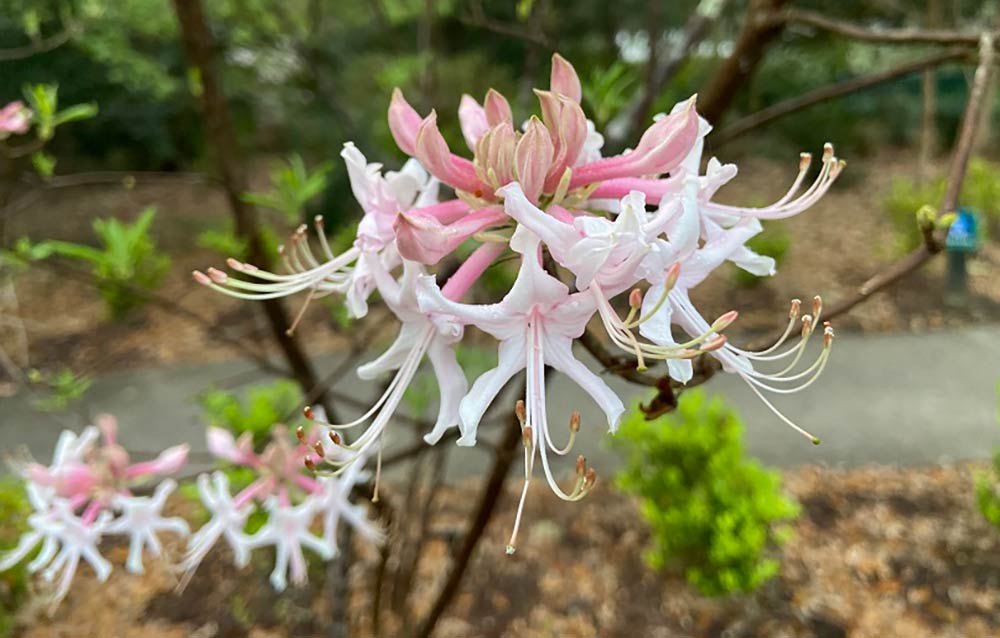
point(559, 354)
point(452, 386)
point(512, 357)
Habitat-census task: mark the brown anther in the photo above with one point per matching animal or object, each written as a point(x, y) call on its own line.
point(817, 305)
point(318, 448)
point(527, 435)
point(807, 324)
point(318, 220)
point(805, 159)
point(635, 298)
point(581, 465)
point(334, 437)
point(574, 421)
point(308, 413)
point(478, 193)
point(793, 311)
point(590, 478)
point(300, 434)
point(301, 230)
point(310, 464)
point(520, 412)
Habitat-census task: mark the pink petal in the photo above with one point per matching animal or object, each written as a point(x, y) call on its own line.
point(168, 462)
point(404, 122)
point(432, 151)
point(564, 79)
point(472, 118)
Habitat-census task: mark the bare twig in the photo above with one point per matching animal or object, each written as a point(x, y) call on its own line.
point(41, 45)
point(823, 94)
point(696, 29)
point(978, 96)
point(762, 25)
point(477, 18)
point(882, 36)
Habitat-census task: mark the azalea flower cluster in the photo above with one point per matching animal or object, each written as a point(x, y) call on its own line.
point(86, 494)
point(291, 499)
point(643, 219)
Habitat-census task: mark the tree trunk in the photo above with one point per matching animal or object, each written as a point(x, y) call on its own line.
point(761, 26)
point(200, 50)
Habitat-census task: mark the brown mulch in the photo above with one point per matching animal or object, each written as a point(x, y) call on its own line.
point(877, 552)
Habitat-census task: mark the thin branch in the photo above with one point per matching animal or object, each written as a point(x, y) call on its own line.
point(832, 91)
point(978, 96)
point(478, 18)
point(882, 36)
point(696, 29)
point(41, 46)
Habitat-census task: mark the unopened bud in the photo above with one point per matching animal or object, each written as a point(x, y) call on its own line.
point(574, 421)
point(318, 448)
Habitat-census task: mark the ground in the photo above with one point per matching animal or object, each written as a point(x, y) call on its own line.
point(877, 552)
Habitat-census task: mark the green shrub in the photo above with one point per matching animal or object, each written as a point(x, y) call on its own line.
point(14, 510)
point(714, 515)
point(988, 490)
point(126, 265)
point(256, 412)
point(980, 192)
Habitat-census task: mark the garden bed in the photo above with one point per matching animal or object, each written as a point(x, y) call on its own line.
point(877, 552)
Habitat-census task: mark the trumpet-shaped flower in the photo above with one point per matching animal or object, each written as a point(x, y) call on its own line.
point(285, 491)
point(85, 494)
point(141, 520)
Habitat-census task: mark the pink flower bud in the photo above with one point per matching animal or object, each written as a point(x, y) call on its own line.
point(564, 79)
point(168, 462)
point(404, 122)
point(497, 109)
point(533, 158)
point(665, 144)
point(426, 240)
point(495, 152)
point(432, 150)
point(472, 118)
point(14, 118)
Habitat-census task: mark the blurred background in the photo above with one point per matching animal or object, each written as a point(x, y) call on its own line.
point(712, 520)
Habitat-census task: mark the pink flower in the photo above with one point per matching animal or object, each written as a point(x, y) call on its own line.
point(14, 118)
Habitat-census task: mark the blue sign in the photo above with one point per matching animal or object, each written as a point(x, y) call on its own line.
point(963, 235)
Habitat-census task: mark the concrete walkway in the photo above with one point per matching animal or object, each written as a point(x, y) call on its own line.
point(894, 399)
